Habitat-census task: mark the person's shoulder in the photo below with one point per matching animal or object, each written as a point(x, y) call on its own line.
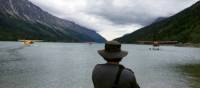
point(98, 66)
point(128, 70)
point(129, 74)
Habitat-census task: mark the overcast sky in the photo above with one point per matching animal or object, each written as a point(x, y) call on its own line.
point(113, 18)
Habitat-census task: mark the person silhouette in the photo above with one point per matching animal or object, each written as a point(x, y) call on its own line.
point(112, 74)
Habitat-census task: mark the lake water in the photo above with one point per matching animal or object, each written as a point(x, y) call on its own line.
point(69, 65)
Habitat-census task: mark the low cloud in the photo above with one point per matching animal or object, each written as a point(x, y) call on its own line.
point(113, 18)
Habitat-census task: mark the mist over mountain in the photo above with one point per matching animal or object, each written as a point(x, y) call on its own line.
point(20, 19)
point(183, 27)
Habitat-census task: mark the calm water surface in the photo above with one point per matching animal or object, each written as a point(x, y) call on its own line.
point(69, 65)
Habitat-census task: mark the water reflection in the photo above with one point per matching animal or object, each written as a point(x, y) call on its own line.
point(11, 54)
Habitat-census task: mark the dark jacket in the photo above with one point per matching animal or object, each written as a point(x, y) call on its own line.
point(104, 76)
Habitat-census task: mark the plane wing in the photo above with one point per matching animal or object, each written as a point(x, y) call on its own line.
point(159, 42)
point(30, 40)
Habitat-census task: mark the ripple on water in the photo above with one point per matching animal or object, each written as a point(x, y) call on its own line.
point(69, 65)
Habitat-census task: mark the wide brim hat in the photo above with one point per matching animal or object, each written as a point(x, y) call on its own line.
point(112, 55)
point(112, 50)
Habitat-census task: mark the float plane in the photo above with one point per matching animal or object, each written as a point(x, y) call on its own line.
point(29, 42)
point(156, 44)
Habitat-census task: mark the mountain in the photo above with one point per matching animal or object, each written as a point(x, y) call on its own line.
point(21, 19)
point(183, 27)
point(159, 19)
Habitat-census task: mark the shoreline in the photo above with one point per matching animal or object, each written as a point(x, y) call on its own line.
point(189, 45)
point(192, 45)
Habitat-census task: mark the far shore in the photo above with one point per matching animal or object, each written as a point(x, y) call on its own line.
point(178, 45)
point(189, 45)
